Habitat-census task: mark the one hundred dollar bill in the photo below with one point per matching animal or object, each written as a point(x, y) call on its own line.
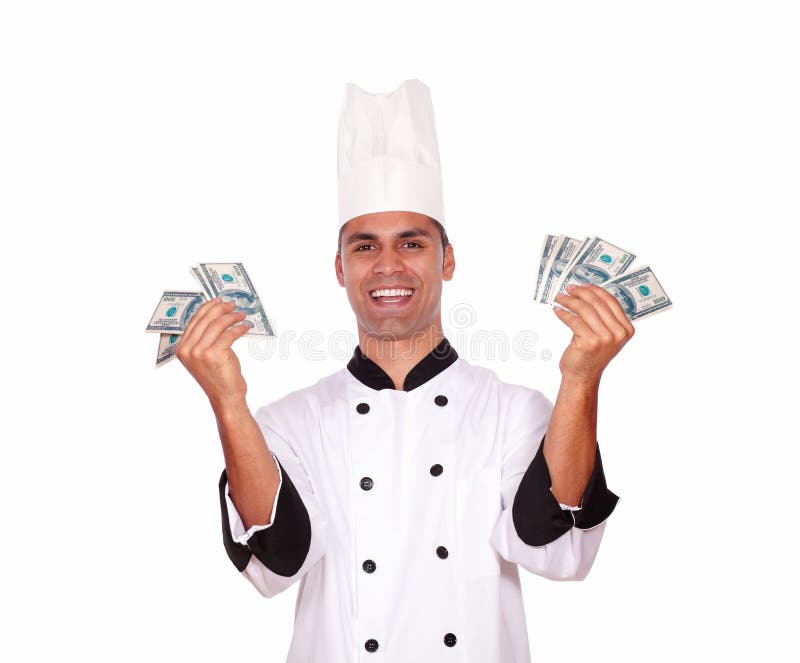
point(597, 262)
point(544, 257)
point(230, 282)
point(166, 348)
point(174, 311)
point(639, 293)
point(199, 278)
point(563, 253)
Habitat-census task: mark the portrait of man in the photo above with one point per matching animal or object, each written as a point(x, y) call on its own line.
point(190, 309)
point(243, 301)
point(410, 482)
point(584, 273)
point(624, 297)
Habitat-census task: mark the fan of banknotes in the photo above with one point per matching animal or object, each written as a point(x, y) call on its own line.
point(565, 261)
point(227, 280)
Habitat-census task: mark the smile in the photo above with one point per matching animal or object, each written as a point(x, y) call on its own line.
point(391, 297)
point(391, 292)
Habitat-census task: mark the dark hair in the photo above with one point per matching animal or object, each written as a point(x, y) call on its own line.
point(442, 232)
point(439, 226)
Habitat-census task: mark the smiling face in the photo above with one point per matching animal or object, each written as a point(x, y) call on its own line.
point(392, 265)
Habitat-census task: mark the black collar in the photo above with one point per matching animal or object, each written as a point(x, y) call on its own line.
point(367, 371)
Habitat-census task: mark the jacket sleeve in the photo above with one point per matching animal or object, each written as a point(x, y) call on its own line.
point(534, 530)
point(276, 555)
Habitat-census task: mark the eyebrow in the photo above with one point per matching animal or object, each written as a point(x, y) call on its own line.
point(372, 237)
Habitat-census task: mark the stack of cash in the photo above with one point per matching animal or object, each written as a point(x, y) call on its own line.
point(565, 261)
point(227, 280)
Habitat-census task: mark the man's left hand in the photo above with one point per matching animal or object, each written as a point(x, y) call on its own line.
point(599, 328)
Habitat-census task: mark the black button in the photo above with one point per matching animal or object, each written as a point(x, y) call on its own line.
point(442, 552)
point(436, 470)
point(362, 408)
point(369, 566)
point(440, 400)
point(366, 483)
point(371, 644)
point(450, 639)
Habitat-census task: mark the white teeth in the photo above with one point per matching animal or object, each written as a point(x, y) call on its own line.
point(392, 292)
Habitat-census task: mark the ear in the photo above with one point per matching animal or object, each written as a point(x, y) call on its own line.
point(339, 271)
point(449, 264)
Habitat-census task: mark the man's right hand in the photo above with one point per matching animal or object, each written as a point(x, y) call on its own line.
point(205, 351)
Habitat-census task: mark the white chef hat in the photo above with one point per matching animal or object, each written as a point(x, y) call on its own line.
point(388, 154)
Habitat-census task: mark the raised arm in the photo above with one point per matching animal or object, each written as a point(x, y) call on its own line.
point(273, 528)
point(600, 329)
point(205, 350)
point(537, 528)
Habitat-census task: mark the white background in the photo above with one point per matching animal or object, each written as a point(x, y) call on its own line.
point(137, 139)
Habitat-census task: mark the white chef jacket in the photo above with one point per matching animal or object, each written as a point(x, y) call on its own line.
point(404, 514)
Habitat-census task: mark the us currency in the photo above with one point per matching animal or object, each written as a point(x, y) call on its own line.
point(544, 255)
point(174, 311)
point(230, 282)
point(596, 262)
point(639, 293)
point(199, 278)
point(563, 252)
point(166, 348)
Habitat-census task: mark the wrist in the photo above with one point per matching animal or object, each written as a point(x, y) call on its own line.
point(580, 382)
point(230, 409)
point(579, 378)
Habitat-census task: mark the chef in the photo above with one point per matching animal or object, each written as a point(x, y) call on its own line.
point(404, 491)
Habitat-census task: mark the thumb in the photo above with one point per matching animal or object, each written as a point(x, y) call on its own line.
point(231, 334)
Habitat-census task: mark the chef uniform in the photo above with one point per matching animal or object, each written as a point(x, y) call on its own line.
point(404, 514)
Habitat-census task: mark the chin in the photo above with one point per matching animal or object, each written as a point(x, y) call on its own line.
point(390, 331)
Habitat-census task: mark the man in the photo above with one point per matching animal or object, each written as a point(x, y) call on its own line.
point(404, 490)
point(626, 300)
point(590, 274)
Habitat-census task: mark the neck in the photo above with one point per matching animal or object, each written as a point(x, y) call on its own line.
point(397, 356)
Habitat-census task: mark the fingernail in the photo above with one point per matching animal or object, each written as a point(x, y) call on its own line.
point(249, 324)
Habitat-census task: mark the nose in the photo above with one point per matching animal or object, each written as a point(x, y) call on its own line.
point(388, 261)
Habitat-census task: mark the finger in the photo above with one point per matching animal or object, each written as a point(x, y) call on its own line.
point(589, 293)
point(586, 311)
point(231, 334)
point(212, 313)
point(616, 308)
point(201, 312)
point(578, 326)
point(215, 327)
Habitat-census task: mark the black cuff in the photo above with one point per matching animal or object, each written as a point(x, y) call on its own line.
point(238, 553)
point(537, 515)
point(283, 547)
point(598, 500)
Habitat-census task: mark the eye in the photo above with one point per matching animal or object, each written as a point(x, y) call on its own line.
point(412, 243)
point(363, 247)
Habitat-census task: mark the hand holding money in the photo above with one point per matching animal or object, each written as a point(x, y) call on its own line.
point(565, 261)
point(205, 350)
point(599, 326)
point(228, 282)
point(592, 292)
